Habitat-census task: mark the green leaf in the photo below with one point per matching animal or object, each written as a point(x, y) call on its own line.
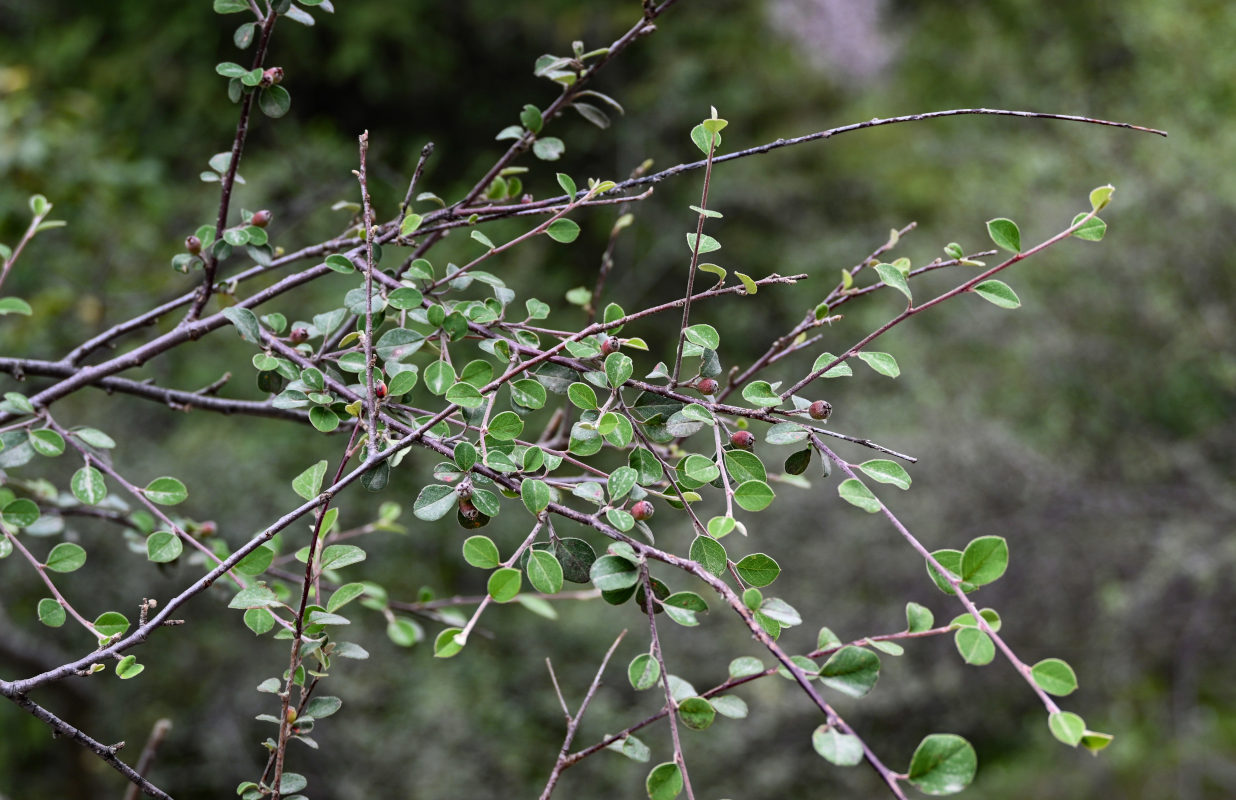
point(338, 556)
point(65, 557)
point(230, 6)
point(549, 148)
point(535, 494)
point(710, 554)
point(128, 667)
point(344, 595)
point(405, 633)
point(753, 495)
point(1054, 676)
point(841, 370)
point(918, 618)
point(618, 369)
point(951, 561)
point(410, 224)
point(621, 481)
point(504, 584)
point(747, 283)
point(309, 482)
point(14, 305)
point(893, 277)
point(506, 426)
point(88, 486)
point(705, 336)
point(664, 782)
point(257, 561)
point(51, 613)
point(998, 293)
point(46, 442)
point(246, 323)
point(842, 749)
point(528, 393)
point(95, 438)
point(707, 244)
point(643, 672)
point(713, 269)
point(610, 573)
point(743, 466)
point(530, 118)
point(434, 502)
point(1005, 234)
point(882, 363)
point(886, 471)
point(704, 139)
point(851, 670)
point(166, 491)
point(1101, 196)
point(464, 395)
point(568, 185)
point(1065, 726)
point(163, 546)
point(761, 394)
point(985, 559)
point(856, 493)
point(576, 557)
point(563, 231)
point(582, 396)
point(274, 101)
point(111, 623)
point(544, 572)
point(758, 569)
point(975, 646)
point(341, 264)
point(1094, 741)
point(1092, 230)
point(20, 513)
point(942, 764)
point(254, 597)
point(696, 713)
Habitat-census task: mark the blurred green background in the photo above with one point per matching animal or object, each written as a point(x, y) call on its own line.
point(1091, 427)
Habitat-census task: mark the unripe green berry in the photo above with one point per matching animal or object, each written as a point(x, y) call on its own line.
point(743, 440)
point(820, 409)
point(642, 510)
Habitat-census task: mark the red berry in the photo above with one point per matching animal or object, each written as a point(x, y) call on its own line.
point(299, 335)
point(743, 440)
point(610, 345)
point(260, 218)
point(379, 389)
point(642, 510)
point(272, 76)
point(706, 386)
point(820, 409)
point(193, 245)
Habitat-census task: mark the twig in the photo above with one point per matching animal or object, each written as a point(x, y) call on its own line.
point(670, 705)
point(157, 734)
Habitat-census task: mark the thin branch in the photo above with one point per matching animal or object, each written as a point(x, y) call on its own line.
point(144, 762)
point(371, 397)
point(650, 607)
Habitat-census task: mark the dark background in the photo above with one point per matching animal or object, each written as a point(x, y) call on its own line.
point(1091, 427)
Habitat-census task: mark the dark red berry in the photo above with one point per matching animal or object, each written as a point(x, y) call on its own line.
point(469, 516)
point(193, 245)
point(820, 409)
point(706, 386)
point(379, 389)
point(299, 335)
point(610, 345)
point(743, 440)
point(642, 510)
point(260, 218)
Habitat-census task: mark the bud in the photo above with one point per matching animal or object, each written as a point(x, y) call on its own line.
point(193, 245)
point(820, 409)
point(743, 440)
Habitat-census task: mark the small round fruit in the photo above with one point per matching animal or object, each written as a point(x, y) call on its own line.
point(272, 76)
point(193, 245)
point(820, 409)
point(260, 218)
point(706, 386)
point(743, 440)
point(299, 335)
point(610, 345)
point(642, 510)
point(469, 516)
point(379, 389)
